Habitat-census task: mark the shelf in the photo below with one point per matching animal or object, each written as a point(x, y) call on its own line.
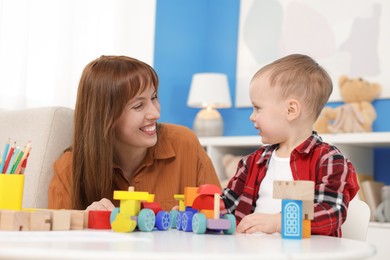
point(381, 225)
point(372, 140)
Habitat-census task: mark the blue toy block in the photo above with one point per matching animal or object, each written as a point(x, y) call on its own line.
point(291, 219)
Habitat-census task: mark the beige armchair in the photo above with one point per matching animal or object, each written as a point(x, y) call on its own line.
point(50, 130)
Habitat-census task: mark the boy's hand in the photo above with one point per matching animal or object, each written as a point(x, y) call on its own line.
point(259, 222)
point(103, 204)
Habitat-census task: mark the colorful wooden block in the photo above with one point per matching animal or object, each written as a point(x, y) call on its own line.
point(99, 219)
point(123, 223)
point(209, 213)
point(308, 209)
point(59, 219)
point(293, 190)
point(40, 221)
point(291, 219)
point(218, 224)
point(77, 219)
point(12, 220)
point(134, 195)
point(203, 202)
point(209, 189)
point(180, 198)
point(190, 193)
point(306, 228)
point(155, 206)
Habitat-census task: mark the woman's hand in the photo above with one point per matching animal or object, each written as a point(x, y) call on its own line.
point(103, 204)
point(259, 222)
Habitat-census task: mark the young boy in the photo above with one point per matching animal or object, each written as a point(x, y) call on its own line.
point(287, 96)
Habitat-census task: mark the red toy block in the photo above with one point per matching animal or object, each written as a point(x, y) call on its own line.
point(203, 202)
point(155, 206)
point(209, 189)
point(99, 219)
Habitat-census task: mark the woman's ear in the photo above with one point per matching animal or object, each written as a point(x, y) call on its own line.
point(293, 109)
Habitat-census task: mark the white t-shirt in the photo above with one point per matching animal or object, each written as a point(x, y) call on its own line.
point(278, 169)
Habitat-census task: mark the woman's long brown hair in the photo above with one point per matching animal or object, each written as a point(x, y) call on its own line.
point(105, 87)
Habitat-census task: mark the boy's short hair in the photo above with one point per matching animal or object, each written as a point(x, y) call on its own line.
point(303, 78)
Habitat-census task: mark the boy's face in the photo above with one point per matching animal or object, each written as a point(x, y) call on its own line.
point(269, 110)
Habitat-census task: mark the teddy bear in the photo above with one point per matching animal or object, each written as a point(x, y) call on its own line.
point(357, 114)
point(230, 163)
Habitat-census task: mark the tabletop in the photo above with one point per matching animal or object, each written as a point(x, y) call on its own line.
point(173, 244)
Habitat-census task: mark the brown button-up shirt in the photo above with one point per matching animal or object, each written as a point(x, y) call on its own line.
point(177, 161)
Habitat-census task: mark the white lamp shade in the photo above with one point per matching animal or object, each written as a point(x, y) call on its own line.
point(209, 90)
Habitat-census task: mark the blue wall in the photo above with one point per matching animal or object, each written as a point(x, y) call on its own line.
point(201, 36)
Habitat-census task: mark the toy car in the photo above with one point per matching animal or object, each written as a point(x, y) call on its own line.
point(199, 211)
point(137, 209)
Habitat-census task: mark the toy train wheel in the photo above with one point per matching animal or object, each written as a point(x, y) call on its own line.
point(146, 220)
point(179, 218)
point(232, 220)
point(173, 214)
point(199, 223)
point(187, 221)
point(163, 220)
point(113, 214)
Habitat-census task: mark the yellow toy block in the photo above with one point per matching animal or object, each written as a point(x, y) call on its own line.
point(180, 198)
point(150, 198)
point(190, 193)
point(209, 213)
point(130, 207)
point(133, 195)
point(123, 223)
point(306, 228)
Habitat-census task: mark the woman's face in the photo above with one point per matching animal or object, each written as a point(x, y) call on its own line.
point(136, 127)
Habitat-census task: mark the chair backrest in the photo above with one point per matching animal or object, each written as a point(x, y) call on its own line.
point(358, 217)
point(50, 130)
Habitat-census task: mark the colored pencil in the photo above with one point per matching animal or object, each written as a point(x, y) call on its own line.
point(13, 158)
point(9, 156)
point(26, 153)
point(17, 162)
point(4, 157)
point(24, 164)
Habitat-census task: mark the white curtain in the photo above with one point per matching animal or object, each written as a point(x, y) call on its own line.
point(45, 44)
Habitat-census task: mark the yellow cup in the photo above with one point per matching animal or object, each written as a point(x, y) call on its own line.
point(11, 191)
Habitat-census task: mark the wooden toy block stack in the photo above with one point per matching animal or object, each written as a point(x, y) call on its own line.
point(43, 220)
point(297, 207)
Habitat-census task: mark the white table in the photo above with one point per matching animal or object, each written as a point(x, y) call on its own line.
point(173, 244)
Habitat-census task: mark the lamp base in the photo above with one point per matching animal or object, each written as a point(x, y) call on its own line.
point(208, 122)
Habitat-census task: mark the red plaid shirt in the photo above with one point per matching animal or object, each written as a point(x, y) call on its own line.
point(334, 176)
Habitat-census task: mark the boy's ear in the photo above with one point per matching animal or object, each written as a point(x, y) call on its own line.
point(293, 109)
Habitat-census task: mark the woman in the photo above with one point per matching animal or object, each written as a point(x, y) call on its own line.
point(118, 142)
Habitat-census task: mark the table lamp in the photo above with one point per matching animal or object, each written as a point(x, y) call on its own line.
point(209, 91)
